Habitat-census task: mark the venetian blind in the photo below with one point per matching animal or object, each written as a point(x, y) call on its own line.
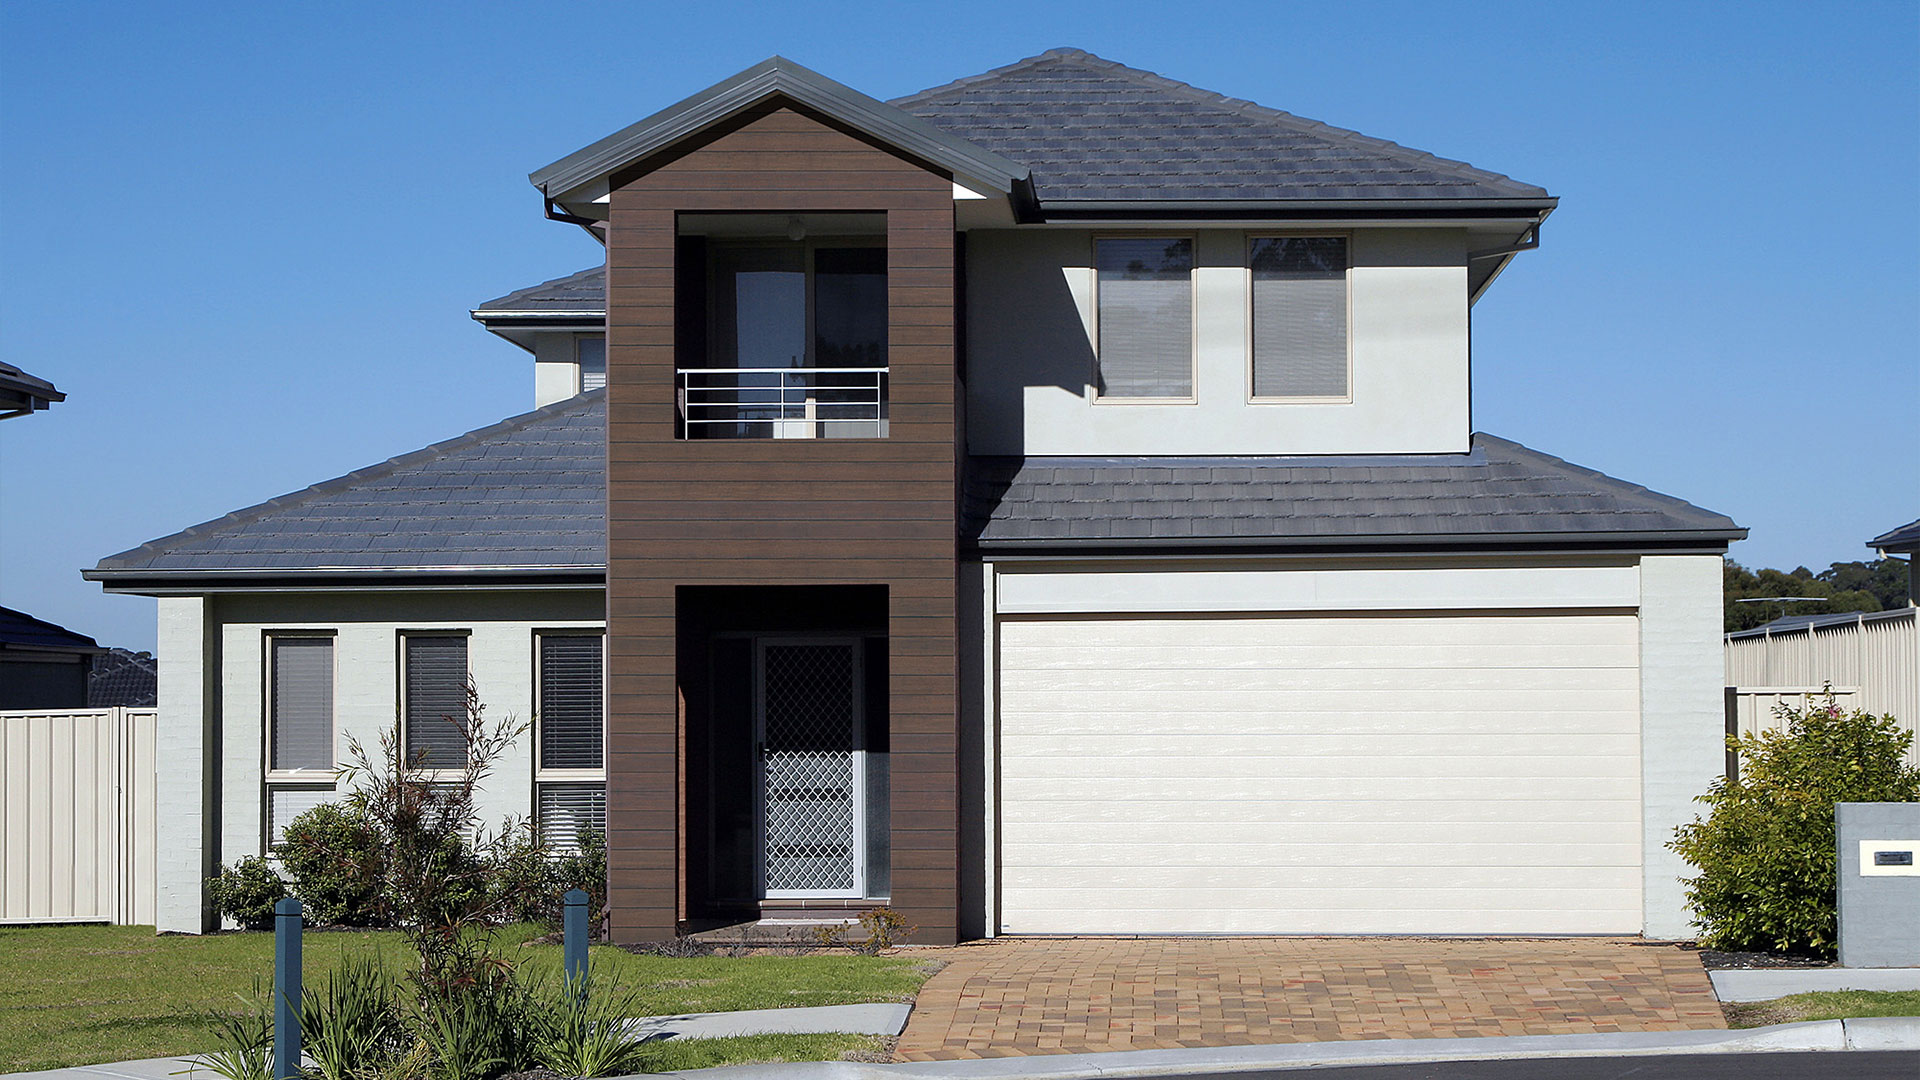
point(286, 803)
point(571, 730)
point(1299, 316)
point(301, 709)
point(1145, 332)
point(436, 712)
point(592, 355)
point(566, 810)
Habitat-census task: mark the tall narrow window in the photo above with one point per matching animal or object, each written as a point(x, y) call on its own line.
point(1299, 316)
point(571, 770)
point(569, 708)
point(591, 354)
point(1144, 336)
point(300, 704)
point(435, 708)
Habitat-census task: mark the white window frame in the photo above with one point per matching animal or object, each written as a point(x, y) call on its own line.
point(400, 721)
point(1246, 256)
point(272, 779)
point(1193, 319)
point(543, 776)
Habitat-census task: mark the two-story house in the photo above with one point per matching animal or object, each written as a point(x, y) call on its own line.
point(1046, 503)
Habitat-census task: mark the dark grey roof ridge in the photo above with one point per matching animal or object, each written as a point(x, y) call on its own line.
point(1626, 488)
point(125, 560)
point(1242, 106)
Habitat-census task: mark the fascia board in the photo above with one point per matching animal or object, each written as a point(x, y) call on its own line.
point(887, 123)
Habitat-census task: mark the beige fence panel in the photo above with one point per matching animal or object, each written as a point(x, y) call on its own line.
point(77, 816)
point(1876, 657)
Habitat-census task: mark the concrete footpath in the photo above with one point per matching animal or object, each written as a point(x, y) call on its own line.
point(1877, 1033)
point(1765, 984)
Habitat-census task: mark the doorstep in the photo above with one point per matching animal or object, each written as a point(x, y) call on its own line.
point(1765, 984)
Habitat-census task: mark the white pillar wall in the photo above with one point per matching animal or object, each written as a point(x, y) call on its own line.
point(1682, 717)
point(185, 738)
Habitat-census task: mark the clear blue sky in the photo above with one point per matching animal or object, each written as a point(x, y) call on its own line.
point(244, 238)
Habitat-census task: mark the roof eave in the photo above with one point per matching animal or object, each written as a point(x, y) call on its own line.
point(1473, 209)
point(159, 582)
point(776, 76)
point(1617, 540)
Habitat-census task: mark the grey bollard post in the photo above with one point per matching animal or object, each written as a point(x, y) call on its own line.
point(286, 989)
point(573, 936)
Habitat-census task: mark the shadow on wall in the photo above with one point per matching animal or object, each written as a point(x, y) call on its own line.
point(1024, 331)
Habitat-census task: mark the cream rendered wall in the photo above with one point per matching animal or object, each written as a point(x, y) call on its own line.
point(1030, 362)
point(1682, 717)
point(556, 369)
point(213, 663)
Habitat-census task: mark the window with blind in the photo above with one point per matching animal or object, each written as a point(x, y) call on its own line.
point(569, 707)
point(591, 354)
point(435, 709)
point(286, 802)
point(1144, 320)
point(300, 704)
point(567, 810)
point(1299, 316)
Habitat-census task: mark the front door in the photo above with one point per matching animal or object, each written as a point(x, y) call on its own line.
point(807, 705)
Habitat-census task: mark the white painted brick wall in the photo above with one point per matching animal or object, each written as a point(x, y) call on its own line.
point(182, 741)
point(1683, 722)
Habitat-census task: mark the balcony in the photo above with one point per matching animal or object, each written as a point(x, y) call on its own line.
point(782, 403)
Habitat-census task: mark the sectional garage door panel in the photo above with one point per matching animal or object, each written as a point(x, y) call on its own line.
point(1432, 773)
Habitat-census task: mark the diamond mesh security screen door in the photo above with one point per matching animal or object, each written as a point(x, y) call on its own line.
point(811, 772)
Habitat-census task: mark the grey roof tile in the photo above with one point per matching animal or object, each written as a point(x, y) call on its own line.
point(1903, 539)
point(582, 293)
point(1094, 130)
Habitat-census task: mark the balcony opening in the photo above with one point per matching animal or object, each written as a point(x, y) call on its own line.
point(782, 326)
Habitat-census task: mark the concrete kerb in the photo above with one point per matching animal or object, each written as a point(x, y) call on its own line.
point(1874, 1033)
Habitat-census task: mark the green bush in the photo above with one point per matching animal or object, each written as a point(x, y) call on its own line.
point(334, 855)
point(1766, 849)
point(246, 892)
point(585, 869)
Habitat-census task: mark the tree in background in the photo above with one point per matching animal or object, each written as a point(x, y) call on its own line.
point(1851, 586)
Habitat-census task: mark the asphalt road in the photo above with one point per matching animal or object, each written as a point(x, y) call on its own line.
point(1824, 1065)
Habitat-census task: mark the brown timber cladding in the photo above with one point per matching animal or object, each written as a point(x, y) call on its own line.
point(779, 512)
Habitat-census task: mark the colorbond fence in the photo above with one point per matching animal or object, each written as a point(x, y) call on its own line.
point(77, 816)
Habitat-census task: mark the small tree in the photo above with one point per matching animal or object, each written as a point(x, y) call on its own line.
point(1766, 849)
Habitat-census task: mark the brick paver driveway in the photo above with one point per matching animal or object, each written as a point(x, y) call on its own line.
point(1037, 996)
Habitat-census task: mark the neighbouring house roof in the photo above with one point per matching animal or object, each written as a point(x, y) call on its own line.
point(21, 393)
point(777, 76)
point(1501, 493)
point(122, 677)
point(1787, 624)
point(21, 631)
point(570, 297)
point(1902, 540)
point(526, 495)
point(1094, 131)
point(527, 498)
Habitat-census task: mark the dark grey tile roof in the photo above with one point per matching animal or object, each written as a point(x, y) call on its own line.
point(1500, 492)
point(1093, 130)
point(17, 628)
point(1787, 624)
point(1903, 539)
point(528, 492)
point(19, 390)
point(123, 677)
point(584, 293)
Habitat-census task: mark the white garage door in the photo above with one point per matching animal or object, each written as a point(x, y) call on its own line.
point(1431, 773)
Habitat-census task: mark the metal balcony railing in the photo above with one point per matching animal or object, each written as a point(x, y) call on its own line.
point(782, 403)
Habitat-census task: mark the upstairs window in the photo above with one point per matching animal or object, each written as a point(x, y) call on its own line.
point(783, 329)
point(434, 700)
point(591, 354)
point(1300, 315)
point(1143, 335)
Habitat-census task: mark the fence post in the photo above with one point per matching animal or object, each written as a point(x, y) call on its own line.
point(573, 927)
point(286, 989)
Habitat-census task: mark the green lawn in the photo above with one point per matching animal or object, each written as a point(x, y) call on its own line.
point(1825, 1005)
point(77, 995)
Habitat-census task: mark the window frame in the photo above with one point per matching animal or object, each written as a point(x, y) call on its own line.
point(1246, 255)
point(1193, 318)
point(432, 775)
point(271, 779)
point(807, 246)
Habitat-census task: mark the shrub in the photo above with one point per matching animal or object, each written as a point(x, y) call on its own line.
point(351, 1022)
point(246, 892)
point(335, 855)
point(1766, 849)
point(585, 869)
point(588, 1032)
point(885, 928)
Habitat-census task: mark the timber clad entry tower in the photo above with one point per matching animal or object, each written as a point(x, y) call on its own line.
point(743, 536)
